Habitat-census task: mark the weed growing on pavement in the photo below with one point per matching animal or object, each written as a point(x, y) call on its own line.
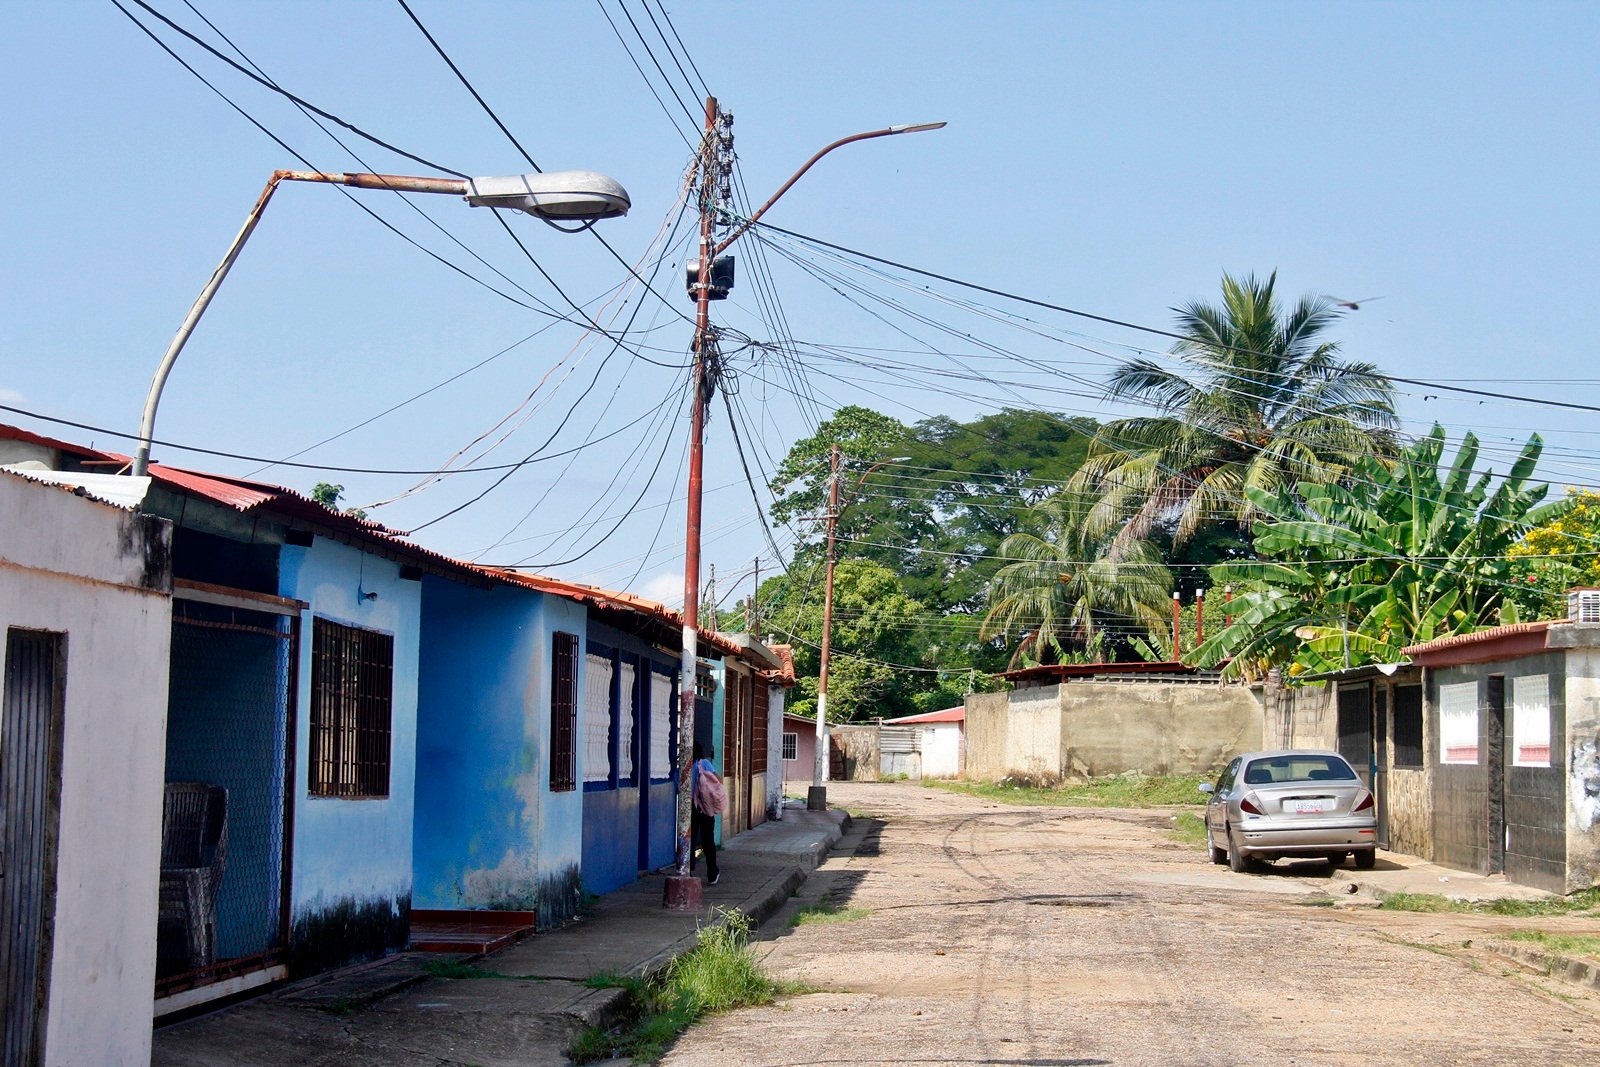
point(827, 912)
point(1560, 944)
point(1188, 828)
point(1119, 791)
point(720, 974)
point(1586, 902)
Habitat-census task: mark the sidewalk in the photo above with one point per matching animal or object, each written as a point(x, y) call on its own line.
point(528, 1000)
point(1397, 872)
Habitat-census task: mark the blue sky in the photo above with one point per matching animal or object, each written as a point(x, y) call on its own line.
point(1114, 158)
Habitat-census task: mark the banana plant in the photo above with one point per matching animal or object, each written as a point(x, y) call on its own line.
point(1353, 571)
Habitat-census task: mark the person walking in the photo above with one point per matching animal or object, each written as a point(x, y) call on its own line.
point(710, 799)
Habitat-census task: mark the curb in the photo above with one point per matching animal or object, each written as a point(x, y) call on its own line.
point(760, 906)
point(1565, 968)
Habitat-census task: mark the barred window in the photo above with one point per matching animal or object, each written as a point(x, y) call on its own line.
point(597, 719)
point(660, 726)
point(758, 727)
point(352, 691)
point(791, 746)
point(564, 713)
point(626, 699)
point(1408, 726)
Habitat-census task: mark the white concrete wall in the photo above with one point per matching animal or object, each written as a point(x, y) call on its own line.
point(85, 569)
point(775, 769)
point(1582, 752)
point(941, 750)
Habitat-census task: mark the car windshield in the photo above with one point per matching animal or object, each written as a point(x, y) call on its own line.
point(1297, 768)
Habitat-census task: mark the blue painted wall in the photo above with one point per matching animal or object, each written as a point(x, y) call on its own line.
point(489, 834)
point(628, 821)
point(351, 875)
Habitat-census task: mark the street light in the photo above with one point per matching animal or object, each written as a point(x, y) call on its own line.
point(817, 795)
point(560, 196)
point(682, 891)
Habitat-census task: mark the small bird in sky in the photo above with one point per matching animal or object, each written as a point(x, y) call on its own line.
point(1353, 305)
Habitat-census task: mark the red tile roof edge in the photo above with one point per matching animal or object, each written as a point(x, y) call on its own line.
point(958, 714)
point(607, 597)
point(1495, 633)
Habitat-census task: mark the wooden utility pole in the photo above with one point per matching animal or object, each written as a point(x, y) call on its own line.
point(817, 795)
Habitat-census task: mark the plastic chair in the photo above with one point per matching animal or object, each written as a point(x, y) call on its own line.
point(194, 847)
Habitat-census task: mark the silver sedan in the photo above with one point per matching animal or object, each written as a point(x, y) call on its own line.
point(1296, 804)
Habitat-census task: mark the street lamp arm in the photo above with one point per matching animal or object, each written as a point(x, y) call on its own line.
point(784, 188)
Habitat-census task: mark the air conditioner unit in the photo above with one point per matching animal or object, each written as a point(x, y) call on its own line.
point(1583, 605)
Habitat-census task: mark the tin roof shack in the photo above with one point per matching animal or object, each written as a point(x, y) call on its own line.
point(1513, 743)
point(939, 742)
point(1088, 720)
point(86, 615)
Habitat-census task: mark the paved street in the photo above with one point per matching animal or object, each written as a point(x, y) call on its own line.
point(1045, 936)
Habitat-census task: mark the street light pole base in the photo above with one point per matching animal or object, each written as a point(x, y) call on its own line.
point(683, 893)
point(817, 798)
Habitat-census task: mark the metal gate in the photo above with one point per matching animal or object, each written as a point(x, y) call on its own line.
point(30, 808)
point(230, 725)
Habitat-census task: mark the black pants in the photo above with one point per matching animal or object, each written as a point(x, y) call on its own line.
point(703, 832)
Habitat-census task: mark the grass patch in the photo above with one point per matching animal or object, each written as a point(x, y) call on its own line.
point(1560, 944)
point(1188, 828)
point(720, 974)
point(1584, 903)
point(1117, 791)
point(826, 912)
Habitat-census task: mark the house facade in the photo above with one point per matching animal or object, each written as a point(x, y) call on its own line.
point(86, 624)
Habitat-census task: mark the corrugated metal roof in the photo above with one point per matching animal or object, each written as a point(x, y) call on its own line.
point(957, 714)
point(608, 598)
point(1481, 636)
point(1086, 670)
point(114, 490)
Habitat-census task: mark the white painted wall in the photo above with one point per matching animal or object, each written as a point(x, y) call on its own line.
point(941, 750)
point(775, 769)
point(77, 566)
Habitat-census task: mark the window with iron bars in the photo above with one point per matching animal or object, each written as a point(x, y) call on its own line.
point(352, 689)
point(564, 713)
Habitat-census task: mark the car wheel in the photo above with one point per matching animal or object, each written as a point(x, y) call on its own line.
point(1218, 855)
point(1336, 858)
point(1366, 859)
point(1238, 862)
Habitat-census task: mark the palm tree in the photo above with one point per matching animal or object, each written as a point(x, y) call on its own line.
point(1061, 588)
point(1263, 403)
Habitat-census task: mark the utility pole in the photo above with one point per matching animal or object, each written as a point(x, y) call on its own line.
point(1177, 625)
point(683, 891)
point(715, 190)
point(817, 795)
point(752, 616)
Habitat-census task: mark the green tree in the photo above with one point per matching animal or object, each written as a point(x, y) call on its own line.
point(1555, 556)
point(1064, 593)
point(1263, 402)
point(328, 495)
point(884, 661)
point(1352, 572)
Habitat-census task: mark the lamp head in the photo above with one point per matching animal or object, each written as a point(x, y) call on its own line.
point(558, 196)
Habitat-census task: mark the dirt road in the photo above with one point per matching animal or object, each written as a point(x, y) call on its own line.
point(1041, 936)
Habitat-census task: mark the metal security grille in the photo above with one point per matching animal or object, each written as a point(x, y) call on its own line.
point(230, 718)
point(564, 713)
point(627, 717)
point(352, 691)
point(30, 800)
point(597, 718)
point(791, 746)
point(662, 707)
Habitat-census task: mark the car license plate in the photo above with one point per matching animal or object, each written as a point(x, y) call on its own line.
point(1307, 807)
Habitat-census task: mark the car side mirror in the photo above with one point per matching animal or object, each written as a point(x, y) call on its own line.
point(1207, 787)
